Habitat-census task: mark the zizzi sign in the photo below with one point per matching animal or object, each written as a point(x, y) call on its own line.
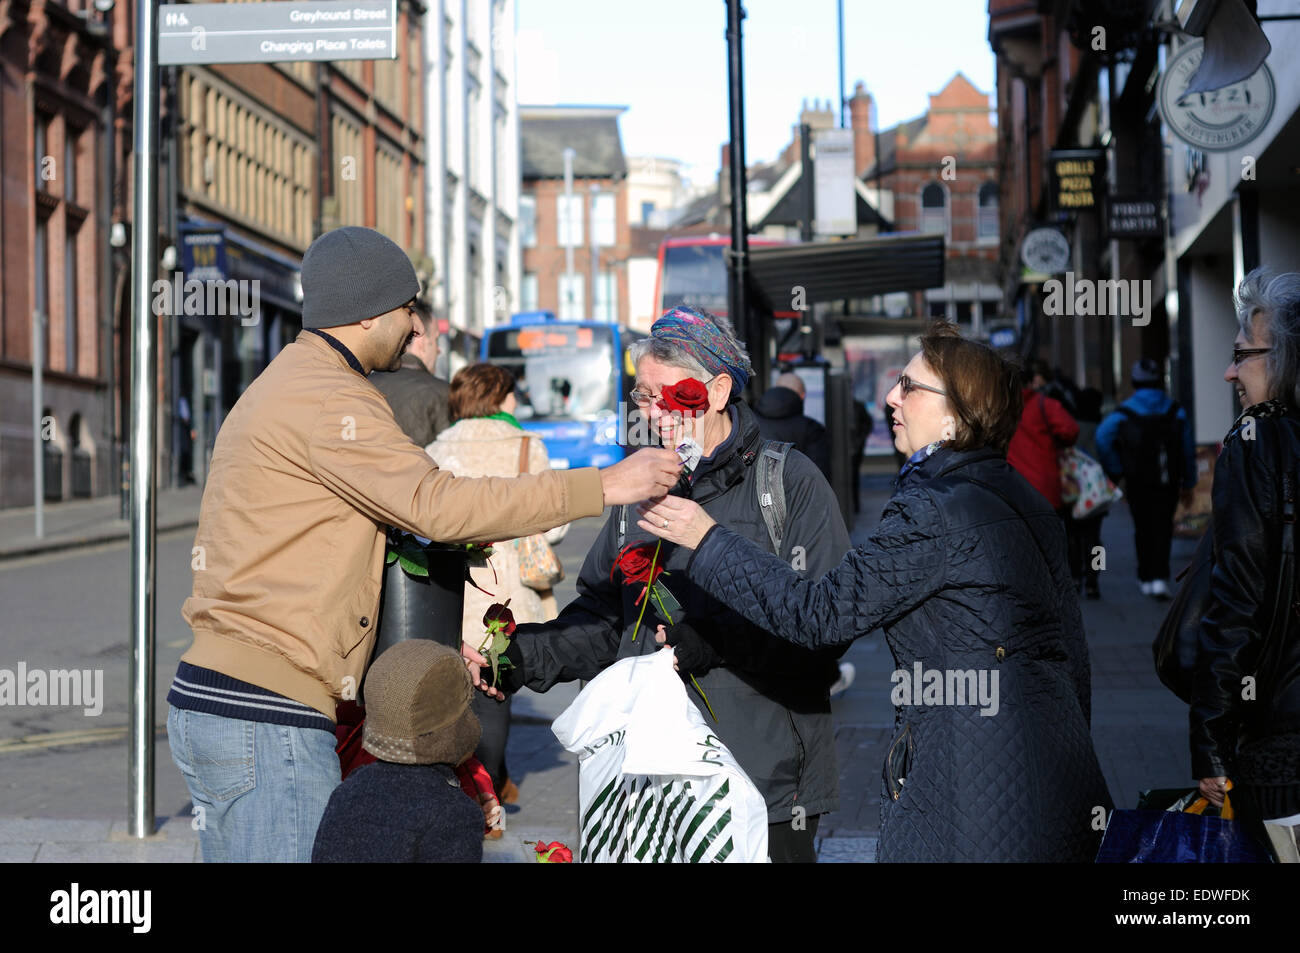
point(1076, 178)
point(1217, 120)
point(278, 31)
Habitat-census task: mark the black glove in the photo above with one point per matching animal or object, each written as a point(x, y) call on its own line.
point(695, 656)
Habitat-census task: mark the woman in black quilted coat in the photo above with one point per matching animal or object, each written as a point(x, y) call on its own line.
point(967, 575)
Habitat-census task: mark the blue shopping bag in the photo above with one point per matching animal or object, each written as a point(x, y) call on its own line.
point(1179, 836)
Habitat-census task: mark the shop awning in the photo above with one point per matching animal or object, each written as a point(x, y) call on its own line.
point(856, 268)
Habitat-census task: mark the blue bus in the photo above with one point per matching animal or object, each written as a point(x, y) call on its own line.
point(572, 380)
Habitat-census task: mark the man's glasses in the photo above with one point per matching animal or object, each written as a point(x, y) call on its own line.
point(908, 385)
point(1240, 354)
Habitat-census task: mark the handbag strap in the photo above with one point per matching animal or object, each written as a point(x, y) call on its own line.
point(523, 455)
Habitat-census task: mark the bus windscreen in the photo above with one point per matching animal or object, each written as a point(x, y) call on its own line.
point(561, 372)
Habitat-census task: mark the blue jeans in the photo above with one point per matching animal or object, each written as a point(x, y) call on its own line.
point(259, 789)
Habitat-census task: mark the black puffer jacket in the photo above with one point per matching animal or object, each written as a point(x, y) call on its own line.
point(770, 697)
point(780, 417)
point(960, 584)
point(1255, 741)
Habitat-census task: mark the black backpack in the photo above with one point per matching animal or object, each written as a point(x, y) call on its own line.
point(1151, 448)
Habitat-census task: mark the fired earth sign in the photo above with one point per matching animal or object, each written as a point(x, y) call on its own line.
point(280, 31)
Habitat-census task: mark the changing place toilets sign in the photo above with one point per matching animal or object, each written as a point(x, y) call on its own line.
point(280, 31)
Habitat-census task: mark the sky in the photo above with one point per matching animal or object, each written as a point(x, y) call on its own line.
point(666, 61)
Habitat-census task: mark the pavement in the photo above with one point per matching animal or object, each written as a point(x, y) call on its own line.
point(83, 523)
point(1139, 728)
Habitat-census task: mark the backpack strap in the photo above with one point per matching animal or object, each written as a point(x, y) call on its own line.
point(1128, 412)
point(770, 486)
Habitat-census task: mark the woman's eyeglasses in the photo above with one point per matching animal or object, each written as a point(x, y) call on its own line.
point(908, 385)
point(1240, 354)
point(643, 398)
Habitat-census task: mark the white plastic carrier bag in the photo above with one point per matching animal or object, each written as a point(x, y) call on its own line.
point(655, 785)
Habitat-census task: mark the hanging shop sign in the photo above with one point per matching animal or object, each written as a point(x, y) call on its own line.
point(1217, 120)
point(1077, 179)
point(1131, 216)
point(1044, 252)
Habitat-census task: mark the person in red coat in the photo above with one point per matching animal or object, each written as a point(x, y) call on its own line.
point(1045, 427)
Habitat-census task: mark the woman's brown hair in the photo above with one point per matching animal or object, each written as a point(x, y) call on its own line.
point(478, 390)
point(983, 387)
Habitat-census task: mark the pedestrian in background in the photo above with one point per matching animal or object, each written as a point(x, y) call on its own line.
point(966, 572)
point(418, 398)
point(1045, 427)
point(1147, 443)
point(409, 807)
point(486, 441)
point(1250, 628)
point(779, 414)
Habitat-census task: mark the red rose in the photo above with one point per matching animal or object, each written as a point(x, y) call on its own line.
point(638, 564)
point(689, 397)
point(499, 611)
point(555, 853)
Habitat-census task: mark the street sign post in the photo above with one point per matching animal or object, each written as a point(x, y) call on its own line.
point(187, 34)
point(279, 31)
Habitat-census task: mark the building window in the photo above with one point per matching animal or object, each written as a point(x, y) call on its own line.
point(934, 209)
point(606, 306)
point(568, 220)
point(44, 167)
point(571, 304)
point(646, 209)
point(603, 226)
point(988, 211)
point(70, 136)
point(528, 292)
point(528, 221)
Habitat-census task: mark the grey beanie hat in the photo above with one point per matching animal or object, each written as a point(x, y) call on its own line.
point(353, 273)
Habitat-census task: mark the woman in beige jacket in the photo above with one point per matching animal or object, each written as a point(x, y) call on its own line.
point(486, 440)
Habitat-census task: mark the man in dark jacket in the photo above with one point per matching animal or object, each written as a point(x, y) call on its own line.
point(418, 399)
point(1147, 442)
point(780, 416)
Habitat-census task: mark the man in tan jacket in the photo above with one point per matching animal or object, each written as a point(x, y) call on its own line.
point(308, 471)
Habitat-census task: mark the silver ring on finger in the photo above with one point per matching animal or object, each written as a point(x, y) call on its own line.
point(665, 524)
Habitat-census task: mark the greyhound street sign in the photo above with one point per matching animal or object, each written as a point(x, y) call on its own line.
point(281, 31)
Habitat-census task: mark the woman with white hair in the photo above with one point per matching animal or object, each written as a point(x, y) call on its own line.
point(1245, 715)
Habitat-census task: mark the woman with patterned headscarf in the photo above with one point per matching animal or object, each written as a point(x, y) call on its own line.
point(765, 699)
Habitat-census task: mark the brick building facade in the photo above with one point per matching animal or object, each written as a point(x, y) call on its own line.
point(63, 94)
point(595, 221)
